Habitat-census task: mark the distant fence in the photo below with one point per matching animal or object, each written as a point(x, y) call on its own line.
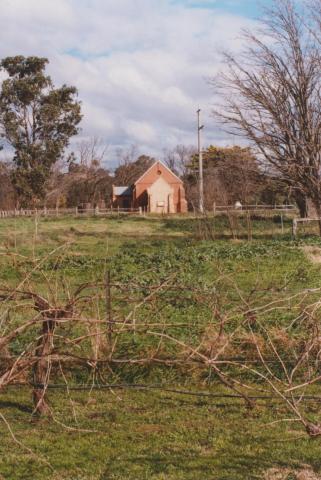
point(106, 212)
point(255, 208)
point(76, 211)
point(304, 222)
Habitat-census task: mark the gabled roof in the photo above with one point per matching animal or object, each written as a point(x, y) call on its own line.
point(163, 165)
point(123, 191)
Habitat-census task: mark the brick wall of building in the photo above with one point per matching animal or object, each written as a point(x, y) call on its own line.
point(150, 177)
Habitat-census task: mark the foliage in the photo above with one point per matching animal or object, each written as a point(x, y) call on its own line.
point(87, 185)
point(130, 169)
point(7, 193)
point(233, 174)
point(37, 121)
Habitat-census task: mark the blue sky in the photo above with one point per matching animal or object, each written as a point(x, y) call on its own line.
point(247, 8)
point(141, 67)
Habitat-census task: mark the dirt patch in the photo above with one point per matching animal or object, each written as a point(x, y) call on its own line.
point(305, 473)
point(150, 428)
point(313, 253)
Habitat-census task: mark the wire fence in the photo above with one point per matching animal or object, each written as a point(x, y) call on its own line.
point(254, 208)
point(63, 212)
point(111, 211)
point(161, 388)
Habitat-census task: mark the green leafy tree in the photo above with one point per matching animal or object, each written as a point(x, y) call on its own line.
point(37, 121)
point(7, 196)
point(230, 174)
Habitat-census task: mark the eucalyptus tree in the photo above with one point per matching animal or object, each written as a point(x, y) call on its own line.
point(36, 121)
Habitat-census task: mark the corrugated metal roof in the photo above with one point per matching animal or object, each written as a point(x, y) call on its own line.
point(122, 191)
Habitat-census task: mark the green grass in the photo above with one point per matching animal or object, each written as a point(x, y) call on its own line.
point(151, 435)
point(155, 434)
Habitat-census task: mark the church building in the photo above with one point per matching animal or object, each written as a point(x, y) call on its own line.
point(158, 190)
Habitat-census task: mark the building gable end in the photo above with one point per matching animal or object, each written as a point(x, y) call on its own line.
point(154, 165)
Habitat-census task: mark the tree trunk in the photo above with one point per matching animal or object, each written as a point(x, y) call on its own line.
point(41, 371)
point(302, 203)
point(317, 205)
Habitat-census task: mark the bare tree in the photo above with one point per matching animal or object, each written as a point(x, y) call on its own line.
point(86, 181)
point(91, 152)
point(179, 158)
point(272, 96)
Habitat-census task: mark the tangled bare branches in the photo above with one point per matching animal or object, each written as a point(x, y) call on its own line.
point(105, 326)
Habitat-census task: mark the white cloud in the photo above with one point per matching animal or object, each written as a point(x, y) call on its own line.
point(140, 66)
point(141, 132)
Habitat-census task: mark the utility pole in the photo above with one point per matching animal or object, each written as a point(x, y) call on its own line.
point(200, 160)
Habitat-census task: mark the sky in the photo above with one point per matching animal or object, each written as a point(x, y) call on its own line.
point(142, 67)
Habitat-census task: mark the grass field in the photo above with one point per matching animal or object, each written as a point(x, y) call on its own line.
point(158, 433)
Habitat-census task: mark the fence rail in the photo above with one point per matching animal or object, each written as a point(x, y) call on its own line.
point(303, 221)
point(76, 211)
point(256, 207)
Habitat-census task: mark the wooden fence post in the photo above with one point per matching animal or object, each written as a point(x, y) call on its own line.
point(108, 310)
point(214, 209)
point(294, 227)
point(36, 224)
